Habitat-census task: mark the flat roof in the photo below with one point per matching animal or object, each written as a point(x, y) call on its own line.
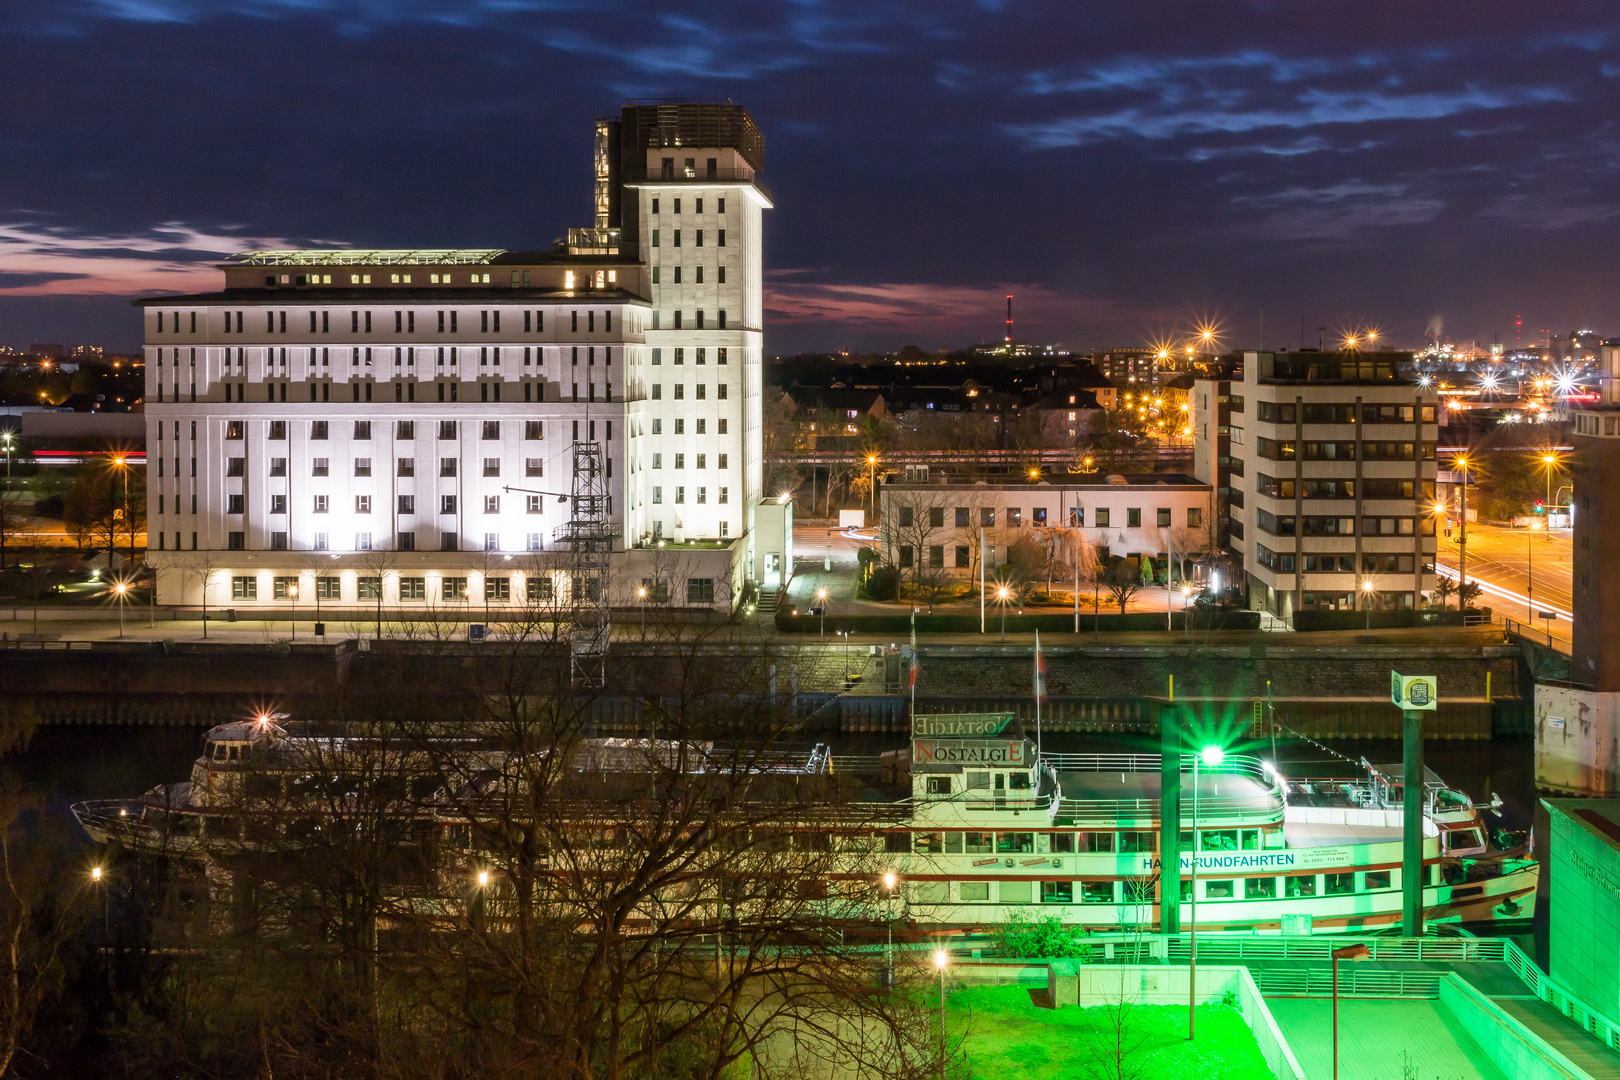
point(1101, 481)
point(365, 257)
point(362, 295)
point(1599, 817)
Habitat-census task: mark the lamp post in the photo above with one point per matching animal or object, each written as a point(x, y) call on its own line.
point(1211, 756)
point(939, 962)
point(120, 589)
point(123, 465)
point(641, 602)
point(1347, 952)
point(1001, 596)
point(871, 482)
point(1547, 459)
point(889, 881)
point(1366, 591)
point(1462, 534)
point(292, 594)
point(5, 437)
point(106, 920)
point(822, 596)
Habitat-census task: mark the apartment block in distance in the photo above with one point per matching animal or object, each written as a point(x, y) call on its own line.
point(1331, 473)
point(352, 425)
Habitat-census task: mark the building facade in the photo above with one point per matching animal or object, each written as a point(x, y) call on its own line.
point(335, 423)
point(938, 524)
point(1332, 473)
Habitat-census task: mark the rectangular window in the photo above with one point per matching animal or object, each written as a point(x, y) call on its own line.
point(542, 588)
point(413, 588)
point(369, 588)
point(234, 466)
point(1338, 884)
point(1057, 892)
point(492, 504)
point(362, 429)
point(1301, 885)
point(447, 466)
point(362, 466)
point(1377, 879)
point(1102, 517)
point(362, 504)
point(453, 589)
point(1163, 517)
point(244, 587)
point(492, 466)
point(700, 590)
point(498, 589)
point(407, 504)
point(278, 429)
point(1259, 888)
point(320, 466)
point(1133, 517)
point(405, 467)
point(447, 504)
point(987, 517)
point(317, 429)
point(447, 429)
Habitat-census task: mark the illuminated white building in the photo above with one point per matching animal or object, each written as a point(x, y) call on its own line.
point(336, 422)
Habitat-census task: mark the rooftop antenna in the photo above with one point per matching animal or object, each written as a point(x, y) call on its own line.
point(1009, 318)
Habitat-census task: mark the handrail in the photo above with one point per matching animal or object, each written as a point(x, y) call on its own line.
point(1548, 989)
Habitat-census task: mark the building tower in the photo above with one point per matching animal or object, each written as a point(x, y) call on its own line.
point(1578, 720)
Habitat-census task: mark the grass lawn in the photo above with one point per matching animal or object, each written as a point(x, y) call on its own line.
point(1008, 1038)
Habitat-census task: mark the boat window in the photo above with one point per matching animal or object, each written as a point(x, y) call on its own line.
point(812, 841)
point(927, 843)
point(1097, 841)
point(896, 843)
point(939, 785)
point(1015, 892)
point(1140, 891)
point(979, 843)
point(1446, 799)
point(1339, 884)
point(932, 892)
point(1218, 890)
point(974, 890)
point(976, 780)
point(1377, 879)
point(1302, 885)
point(1015, 843)
point(1186, 889)
point(1062, 843)
point(1096, 892)
point(1259, 888)
point(1218, 839)
point(1136, 841)
point(1057, 892)
point(1018, 781)
point(1251, 839)
point(1466, 838)
point(1186, 840)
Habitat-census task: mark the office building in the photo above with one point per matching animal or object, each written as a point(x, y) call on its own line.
point(328, 406)
point(1330, 470)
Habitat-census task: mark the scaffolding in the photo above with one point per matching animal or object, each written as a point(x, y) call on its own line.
point(589, 536)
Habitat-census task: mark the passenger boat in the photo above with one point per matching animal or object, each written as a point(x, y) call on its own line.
point(979, 827)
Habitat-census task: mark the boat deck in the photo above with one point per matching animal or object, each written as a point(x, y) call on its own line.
point(1218, 793)
point(1309, 834)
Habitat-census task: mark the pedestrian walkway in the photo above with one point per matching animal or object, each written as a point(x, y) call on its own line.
point(1381, 1040)
point(1563, 1035)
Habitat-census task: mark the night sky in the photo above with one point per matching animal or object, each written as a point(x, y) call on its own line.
point(1126, 169)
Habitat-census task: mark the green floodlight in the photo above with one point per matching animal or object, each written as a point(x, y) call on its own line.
point(1211, 755)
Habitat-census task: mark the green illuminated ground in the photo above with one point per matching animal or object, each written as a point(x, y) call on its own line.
point(1008, 1038)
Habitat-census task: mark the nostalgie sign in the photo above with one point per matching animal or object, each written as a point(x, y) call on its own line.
point(960, 725)
point(1414, 693)
point(984, 752)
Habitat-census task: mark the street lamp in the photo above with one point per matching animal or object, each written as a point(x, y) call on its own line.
point(889, 882)
point(123, 464)
point(1211, 756)
point(641, 596)
point(121, 588)
point(940, 960)
point(1001, 596)
point(1462, 533)
point(5, 437)
point(292, 594)
point(1548, 459)
point(1530, 571)
point(96, 879)
point(1347, 952)
point(1366, 589)
point(871, 482)
point(822, 596)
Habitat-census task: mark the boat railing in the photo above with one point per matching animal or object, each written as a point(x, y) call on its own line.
point(1238, 764)
point(1210, 807)
point(111, 816)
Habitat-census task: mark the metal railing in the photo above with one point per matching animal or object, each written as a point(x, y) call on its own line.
point(1354, 982)
point(1218, 947)
point(1553, 993)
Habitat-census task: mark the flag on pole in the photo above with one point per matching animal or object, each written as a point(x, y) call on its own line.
point(916, 665)
point(1040, 670)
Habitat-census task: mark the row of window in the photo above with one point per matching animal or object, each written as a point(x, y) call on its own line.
point(405, 504)
point(1371, 450)
point(404, 540)
point(700, 392)
point(697, 237)
point(680, 460)
point(697, 207)
point(320, 322)
point(701, 324)
point(1370, 488)
point(321, 466)
point(1132, 892)
point(1284, 562)
point(724, 497)
point(1102, 517)
point(321, 390)
point(448, 430)
point(404, 356)
point(497, 588)
point(1327, 525)
point(1277, 412)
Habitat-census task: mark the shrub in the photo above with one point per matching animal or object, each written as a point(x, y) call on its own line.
point(883, 583)
point(1040, 936)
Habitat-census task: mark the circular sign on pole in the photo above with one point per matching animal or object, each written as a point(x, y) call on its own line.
point(1414, 693)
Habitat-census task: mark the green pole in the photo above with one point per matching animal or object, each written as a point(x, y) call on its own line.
point(1412, 824)
point(1169, 821)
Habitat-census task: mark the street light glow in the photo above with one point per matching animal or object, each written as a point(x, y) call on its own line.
point(939, 959)
point(888, 881)
point(1211, 755)
point(95, 873)
point(483, 878)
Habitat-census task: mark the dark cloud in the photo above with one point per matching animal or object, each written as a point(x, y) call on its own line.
point(1122, 168)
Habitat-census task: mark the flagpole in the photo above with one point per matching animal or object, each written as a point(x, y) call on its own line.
point(1040, 691)
point(981, 579)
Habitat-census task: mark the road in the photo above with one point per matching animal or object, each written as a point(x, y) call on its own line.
point(1507, 562)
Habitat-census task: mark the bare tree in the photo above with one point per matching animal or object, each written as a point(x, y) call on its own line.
point(204, 565)
point(1123, 580)
point(918, 520)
